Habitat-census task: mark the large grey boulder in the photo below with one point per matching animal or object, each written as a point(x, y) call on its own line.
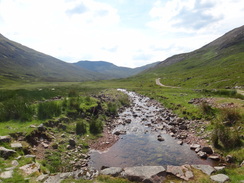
point(207, 169)
point(149, 174)
point(6, 153)
point(114, 171)
point(221, 178)
point(184, 172)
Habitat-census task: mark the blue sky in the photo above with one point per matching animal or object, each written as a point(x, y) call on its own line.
point(125, 32)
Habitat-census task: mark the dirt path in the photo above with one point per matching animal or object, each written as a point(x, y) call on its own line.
point(160, 84)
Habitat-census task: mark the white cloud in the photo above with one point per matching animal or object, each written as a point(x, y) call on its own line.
point(74, 30)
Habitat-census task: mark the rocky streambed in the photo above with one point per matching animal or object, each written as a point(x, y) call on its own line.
point(152, 137)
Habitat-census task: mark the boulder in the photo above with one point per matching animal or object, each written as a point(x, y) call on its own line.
point(180, 142)
point(6, 174)
point(30, 168)
point(194, 146)
point(184, 172)
point(160, 138)
point(4, 139)
point(202, 155)
point(6, 153)
point(128, 120)
point(218, 168)
point(207, 169)
point(143, 173)
point(114, 171)
point(121, 132)
point(221, 178)
point(16, 145)
point(214, 157)
point(207, 150)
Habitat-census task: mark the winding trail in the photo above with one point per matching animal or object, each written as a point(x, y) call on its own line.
point(160, 84)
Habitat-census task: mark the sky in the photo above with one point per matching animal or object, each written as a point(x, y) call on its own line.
point(127, 33)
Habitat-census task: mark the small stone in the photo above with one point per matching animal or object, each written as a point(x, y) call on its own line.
point(15, 163)
point(214, 157)
point(197, 149)
point(202, 154)
point(194, 146)
point(218, 168)
point(221, 178)
point(30, 156)
point(160, 138)
point(16, 145)
point(180, 142)
point(45, 145)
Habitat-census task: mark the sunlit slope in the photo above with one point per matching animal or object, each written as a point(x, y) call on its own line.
point(18, 62)
point(220, 64)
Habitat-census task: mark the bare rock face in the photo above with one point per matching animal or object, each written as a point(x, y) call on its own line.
point(6, 153)
point(221, 178)
point(144, 173)
point(184, 172)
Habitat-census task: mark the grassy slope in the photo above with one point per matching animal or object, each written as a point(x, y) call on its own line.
point(20, 63)
point(204, 70)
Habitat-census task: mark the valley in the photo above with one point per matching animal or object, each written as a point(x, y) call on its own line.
point(178, 120)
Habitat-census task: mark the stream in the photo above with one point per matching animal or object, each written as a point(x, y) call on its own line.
point(140, 127)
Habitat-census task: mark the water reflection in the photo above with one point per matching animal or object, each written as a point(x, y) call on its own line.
point(140, 145)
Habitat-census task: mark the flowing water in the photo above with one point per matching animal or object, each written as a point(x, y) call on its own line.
point(140, 146)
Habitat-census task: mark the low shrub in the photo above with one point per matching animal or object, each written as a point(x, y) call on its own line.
point(47, 110)
point(230, 115)
point(81, 127)
point(206, 109)
point(96, 125)
point(16, 109)
point(227, 137)
point(112, 109)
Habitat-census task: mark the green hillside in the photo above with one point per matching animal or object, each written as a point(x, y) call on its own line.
point(20, 63)
point(216, 65)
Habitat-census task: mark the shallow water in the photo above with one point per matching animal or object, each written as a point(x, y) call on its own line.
point(139, 146)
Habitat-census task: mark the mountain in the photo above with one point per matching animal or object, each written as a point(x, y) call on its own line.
point(218, 64)
point(111, 70)
point(18, 62)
